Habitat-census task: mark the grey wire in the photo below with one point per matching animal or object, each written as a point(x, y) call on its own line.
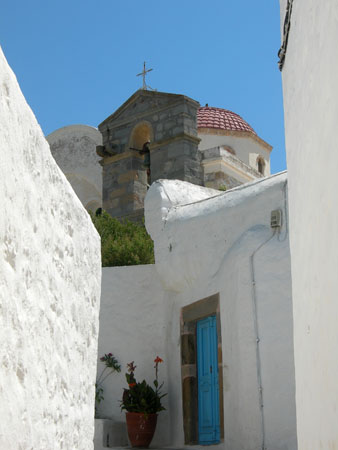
point(256, 327)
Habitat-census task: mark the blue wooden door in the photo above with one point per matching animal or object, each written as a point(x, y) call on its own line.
point(208, 389)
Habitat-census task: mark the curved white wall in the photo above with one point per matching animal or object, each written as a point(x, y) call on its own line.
point(74, 150)
point(204, 246)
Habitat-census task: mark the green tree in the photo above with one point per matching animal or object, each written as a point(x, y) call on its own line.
point(123, 243)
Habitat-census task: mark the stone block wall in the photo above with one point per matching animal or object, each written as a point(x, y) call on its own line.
point(124, 186)
point(50, 274)
point(177, 160)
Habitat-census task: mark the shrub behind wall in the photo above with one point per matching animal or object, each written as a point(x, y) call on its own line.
point(123, 243)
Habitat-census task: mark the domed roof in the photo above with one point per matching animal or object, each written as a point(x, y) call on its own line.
point(221, 119)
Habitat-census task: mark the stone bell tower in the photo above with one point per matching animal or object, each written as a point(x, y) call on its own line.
point(168, 122)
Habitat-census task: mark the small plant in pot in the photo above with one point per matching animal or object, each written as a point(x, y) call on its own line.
point(142, 402)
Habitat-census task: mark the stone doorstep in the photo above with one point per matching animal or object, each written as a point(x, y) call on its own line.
point(117, 432)
point(185, 447)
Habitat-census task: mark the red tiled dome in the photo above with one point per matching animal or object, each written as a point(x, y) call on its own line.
point(222, 119)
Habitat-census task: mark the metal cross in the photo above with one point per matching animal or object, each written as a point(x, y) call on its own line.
point(143, 73)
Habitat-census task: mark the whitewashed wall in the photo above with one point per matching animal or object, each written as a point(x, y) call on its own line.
point(49, 290)
point(204, 241)
point(310, 79)
point(204, 247)
point(133, 328)
point(74, 150)
point(247, 148)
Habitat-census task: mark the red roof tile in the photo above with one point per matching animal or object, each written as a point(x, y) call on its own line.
point(209, 117)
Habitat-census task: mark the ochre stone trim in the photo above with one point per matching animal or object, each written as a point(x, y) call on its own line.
point(119, 157)
point(117, 193)
point(126, 177)
point(176, 138)
point(244, 134)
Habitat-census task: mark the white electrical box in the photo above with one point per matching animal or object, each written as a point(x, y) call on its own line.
point(276, 218)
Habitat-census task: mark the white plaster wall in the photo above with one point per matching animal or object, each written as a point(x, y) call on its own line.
point(204, 247)
point(247, 148)
point(133, 328)
point(311, 115)
point(218, 159)
point(208, 243)
point(74, 150)
point(225, 166)
point(49, 289)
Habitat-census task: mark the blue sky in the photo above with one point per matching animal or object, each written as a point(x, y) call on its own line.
point(76, 61)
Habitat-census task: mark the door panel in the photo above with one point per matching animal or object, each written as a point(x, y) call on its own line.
point(208, 390)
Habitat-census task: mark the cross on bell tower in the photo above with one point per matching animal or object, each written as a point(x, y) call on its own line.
point(144, 73)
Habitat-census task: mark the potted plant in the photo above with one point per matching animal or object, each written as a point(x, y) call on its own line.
point(142, 403)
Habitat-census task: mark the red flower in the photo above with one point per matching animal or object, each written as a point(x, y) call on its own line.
point(158, 360)
point(131, 385)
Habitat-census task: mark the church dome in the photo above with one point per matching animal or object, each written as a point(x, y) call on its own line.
point(221, 119)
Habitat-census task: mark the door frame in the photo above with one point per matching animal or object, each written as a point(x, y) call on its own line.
point(190, 314)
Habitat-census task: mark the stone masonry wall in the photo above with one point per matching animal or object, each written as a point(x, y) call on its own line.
point(124, 186)
point(49, 291)
point(177, 160)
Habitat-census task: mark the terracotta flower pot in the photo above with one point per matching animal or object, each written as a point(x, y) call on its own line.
point(141, 428)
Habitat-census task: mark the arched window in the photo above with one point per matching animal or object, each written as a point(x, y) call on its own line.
point(93, 205)
point(260, 165)
point(229, 149)
point(141, 134)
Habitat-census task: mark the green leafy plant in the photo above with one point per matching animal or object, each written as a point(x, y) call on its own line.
point(123, 243)
point(141, 397)
point(110, 363)
point(222, 187)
